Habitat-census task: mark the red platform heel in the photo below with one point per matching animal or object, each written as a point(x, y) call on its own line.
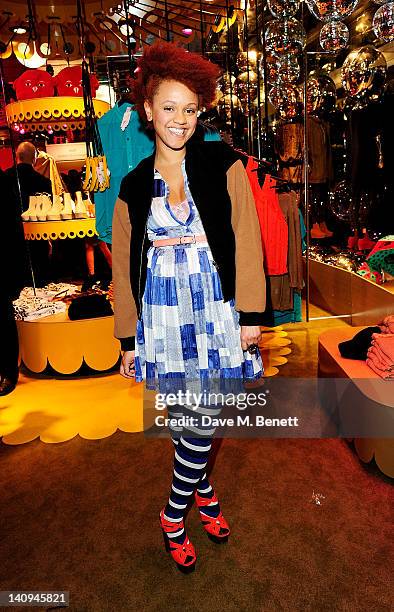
point(352, 242)
point(365, 243)
point(217, 527)
point(184, 554)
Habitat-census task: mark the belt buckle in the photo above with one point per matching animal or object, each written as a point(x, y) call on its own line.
point(192, 242)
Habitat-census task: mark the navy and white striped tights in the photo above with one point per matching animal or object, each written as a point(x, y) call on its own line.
point(190, 461)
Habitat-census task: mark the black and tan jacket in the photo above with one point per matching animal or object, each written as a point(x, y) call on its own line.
point(221, 192)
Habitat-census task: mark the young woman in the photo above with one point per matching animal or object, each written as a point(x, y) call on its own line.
point(188, 273)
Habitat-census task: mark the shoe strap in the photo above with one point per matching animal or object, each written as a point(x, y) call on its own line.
point(205, 501)
point(170, 526)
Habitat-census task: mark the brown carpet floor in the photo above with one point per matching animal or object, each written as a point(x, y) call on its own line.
point(82, 516)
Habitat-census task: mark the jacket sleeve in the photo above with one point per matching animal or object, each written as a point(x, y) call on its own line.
point(250, 286)
point(124, 305)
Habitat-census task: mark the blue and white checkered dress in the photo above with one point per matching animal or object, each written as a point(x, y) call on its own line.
point(187, 334)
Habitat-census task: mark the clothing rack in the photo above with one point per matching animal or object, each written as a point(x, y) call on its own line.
point(266, 163)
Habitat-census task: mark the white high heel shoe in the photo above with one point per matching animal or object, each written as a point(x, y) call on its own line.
point(31, 213)
point(68, 207)
point(56, 209)
point(80, 208)
point(44, 207)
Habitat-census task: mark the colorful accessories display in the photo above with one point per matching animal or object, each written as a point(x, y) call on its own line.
point(381, 258)
point(365, 271)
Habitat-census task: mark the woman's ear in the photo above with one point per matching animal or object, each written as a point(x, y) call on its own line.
point(148, 110)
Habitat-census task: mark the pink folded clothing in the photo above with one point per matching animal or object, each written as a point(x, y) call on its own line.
point(374, 348)
point(387, 325)
point(385, 343)
point(374, 356)
point(382, 373)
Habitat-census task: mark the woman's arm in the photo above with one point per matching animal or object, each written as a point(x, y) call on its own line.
point(250, 291)
point(124, 305)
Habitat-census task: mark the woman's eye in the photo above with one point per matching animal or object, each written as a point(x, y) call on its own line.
point(190, 111)
point(168, 108)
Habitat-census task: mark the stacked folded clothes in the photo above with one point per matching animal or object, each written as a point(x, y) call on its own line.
point(35, 304)
point(380, 356)
point(50, 291)
point(387, 325)
point(31, 308)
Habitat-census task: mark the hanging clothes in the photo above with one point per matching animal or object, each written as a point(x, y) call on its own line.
point(276, 313)
point(46, 166)
point(273, 226)
point(283, 232)
point(319, 151)
point(290, 211)
point(289, 146)
point(280, 291)
point(125, 142)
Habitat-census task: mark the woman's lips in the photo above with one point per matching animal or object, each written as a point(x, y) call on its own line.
point(177, 131)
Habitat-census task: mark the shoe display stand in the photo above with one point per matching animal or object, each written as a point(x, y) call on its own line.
point(66, 345)
point(56, 341)
point(371, 394)
point(59, 230)
point(55, 113)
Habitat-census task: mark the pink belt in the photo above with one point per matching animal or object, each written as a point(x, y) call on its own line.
point(181, 240)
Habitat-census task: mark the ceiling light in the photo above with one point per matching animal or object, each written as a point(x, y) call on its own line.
point(187, 31)
point(105, 24)
point(125, 26)
point(19, 29)
point(27, 55)
point(45, 49)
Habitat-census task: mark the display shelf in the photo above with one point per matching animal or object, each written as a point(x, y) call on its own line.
point(58, 113)
point(66, 345)
point(345, 293)
point(59, 230)
point(371, 394)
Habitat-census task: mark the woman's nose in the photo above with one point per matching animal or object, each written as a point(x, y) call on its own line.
point(180, 117)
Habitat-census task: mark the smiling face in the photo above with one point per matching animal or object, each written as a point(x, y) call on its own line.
point(173, 112)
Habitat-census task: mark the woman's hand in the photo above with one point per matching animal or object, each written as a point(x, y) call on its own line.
point(250, 334)
point(127, 368)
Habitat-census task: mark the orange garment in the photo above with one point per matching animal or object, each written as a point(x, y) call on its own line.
point(273, 226)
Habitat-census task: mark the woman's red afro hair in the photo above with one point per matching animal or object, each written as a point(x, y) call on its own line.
point(165, 61)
